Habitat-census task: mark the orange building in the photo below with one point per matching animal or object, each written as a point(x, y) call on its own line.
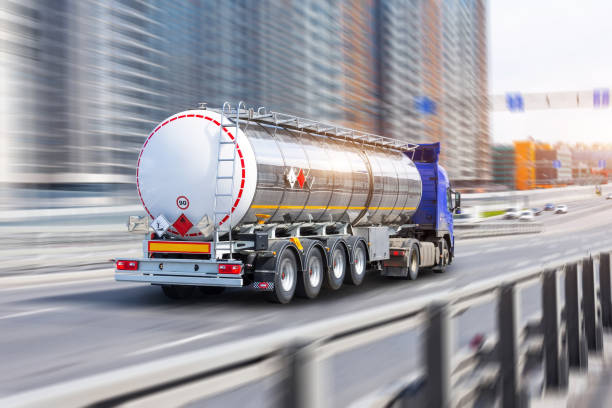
point(525, 164)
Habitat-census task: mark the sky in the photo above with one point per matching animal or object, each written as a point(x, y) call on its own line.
point(550, 46)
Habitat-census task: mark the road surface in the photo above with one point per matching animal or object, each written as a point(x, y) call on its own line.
point(55, 332)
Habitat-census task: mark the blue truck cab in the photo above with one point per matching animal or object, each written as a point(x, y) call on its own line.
point(433, 218)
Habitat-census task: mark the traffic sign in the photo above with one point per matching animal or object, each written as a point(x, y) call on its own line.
point(602, 164)
point(556, 164)
point(514, 102)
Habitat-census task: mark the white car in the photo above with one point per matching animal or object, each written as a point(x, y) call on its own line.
point(609, 196)
point(512, 214)
point(526, 216)
point(561, 209)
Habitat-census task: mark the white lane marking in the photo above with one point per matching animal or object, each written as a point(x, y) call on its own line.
point(29, 313)
point(185, 340)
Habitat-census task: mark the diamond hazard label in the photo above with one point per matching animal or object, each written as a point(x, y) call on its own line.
point(160, 225)
point(301, 179)
point(182, 224)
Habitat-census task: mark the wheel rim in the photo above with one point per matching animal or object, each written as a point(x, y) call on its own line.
point(413, 263)
point(287, 271)
point(315, 271)
point(338, 263)
point(360, 260)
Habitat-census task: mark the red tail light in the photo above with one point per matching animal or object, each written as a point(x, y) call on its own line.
point(127, 265)
point(230, 268)
point(399, 253)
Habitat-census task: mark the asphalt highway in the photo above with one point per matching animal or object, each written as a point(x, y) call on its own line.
point(53, 332)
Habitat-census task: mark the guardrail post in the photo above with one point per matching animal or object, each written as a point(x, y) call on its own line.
point(605, 284)
point(438, 344)
point(507, 320)
point(555, 344)
point(594, 333)
point(576, 342)
point(306, 378)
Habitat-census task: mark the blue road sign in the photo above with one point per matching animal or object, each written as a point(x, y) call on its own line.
point(557, 164)
point(601, 98)
point(602, 164)
point(514, 102)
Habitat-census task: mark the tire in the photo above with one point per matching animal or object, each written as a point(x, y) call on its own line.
point(337, 268)
point(359, 266)
point(311, 279)
point(178, 292)
point(211, 290)
point(285, 278)
point(413, 263)
point(444, 257)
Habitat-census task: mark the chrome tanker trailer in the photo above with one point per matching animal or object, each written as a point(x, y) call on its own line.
point(242, 198)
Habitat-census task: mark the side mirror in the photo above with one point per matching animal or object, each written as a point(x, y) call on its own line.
point(457, 202)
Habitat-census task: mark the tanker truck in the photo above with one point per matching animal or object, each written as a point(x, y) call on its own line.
point(243, 198)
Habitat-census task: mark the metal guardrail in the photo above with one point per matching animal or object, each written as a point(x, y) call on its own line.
point(571, 325)
point(488, 229)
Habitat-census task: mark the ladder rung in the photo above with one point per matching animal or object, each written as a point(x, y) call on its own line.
point(224, 177)
point(222, 212)
point(231, 124)
point(232, 159)
point(232, 142)
point(223, 195)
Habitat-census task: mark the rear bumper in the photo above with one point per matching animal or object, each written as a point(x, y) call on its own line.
point(163, 271)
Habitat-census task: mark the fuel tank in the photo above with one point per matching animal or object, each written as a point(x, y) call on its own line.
point(188, 163)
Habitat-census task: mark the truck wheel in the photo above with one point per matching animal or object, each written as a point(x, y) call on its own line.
point(413, 263)
point(337, 269)
point(444, 257)
point(211, 290)
point(178, 292)
point(311, 279)
point(358, 269)
point(285, 278)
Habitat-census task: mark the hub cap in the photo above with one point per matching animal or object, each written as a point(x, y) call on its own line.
point(315, 271)
point(360, 260)
point(287, 272)
point(338, 263)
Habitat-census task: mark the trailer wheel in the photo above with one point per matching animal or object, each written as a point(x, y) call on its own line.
point(337, 269)
point(413, 263)
point(211, 290)
point(178, 292)
point(311, 279)
point(360, 261)
point(285, 278)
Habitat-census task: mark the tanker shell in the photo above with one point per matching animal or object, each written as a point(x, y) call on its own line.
point(279, 176)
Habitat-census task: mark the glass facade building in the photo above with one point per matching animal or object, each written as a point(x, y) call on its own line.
point(84, 81)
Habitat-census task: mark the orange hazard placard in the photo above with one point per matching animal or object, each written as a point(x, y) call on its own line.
point(179, 247)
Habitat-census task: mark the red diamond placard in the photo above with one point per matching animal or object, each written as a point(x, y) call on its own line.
point(182, 224)
point(301, 179)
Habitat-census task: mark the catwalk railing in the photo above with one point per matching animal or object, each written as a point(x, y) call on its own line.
point(576, 306)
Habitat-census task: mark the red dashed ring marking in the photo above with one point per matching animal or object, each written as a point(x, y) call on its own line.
point(243, 173)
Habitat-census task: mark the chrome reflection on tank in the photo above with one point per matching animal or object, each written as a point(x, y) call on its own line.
point(332, 180)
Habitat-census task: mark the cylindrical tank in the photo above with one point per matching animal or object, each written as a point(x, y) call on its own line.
point(280, 176)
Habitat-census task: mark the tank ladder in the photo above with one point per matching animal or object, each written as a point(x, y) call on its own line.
point(223, 205)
